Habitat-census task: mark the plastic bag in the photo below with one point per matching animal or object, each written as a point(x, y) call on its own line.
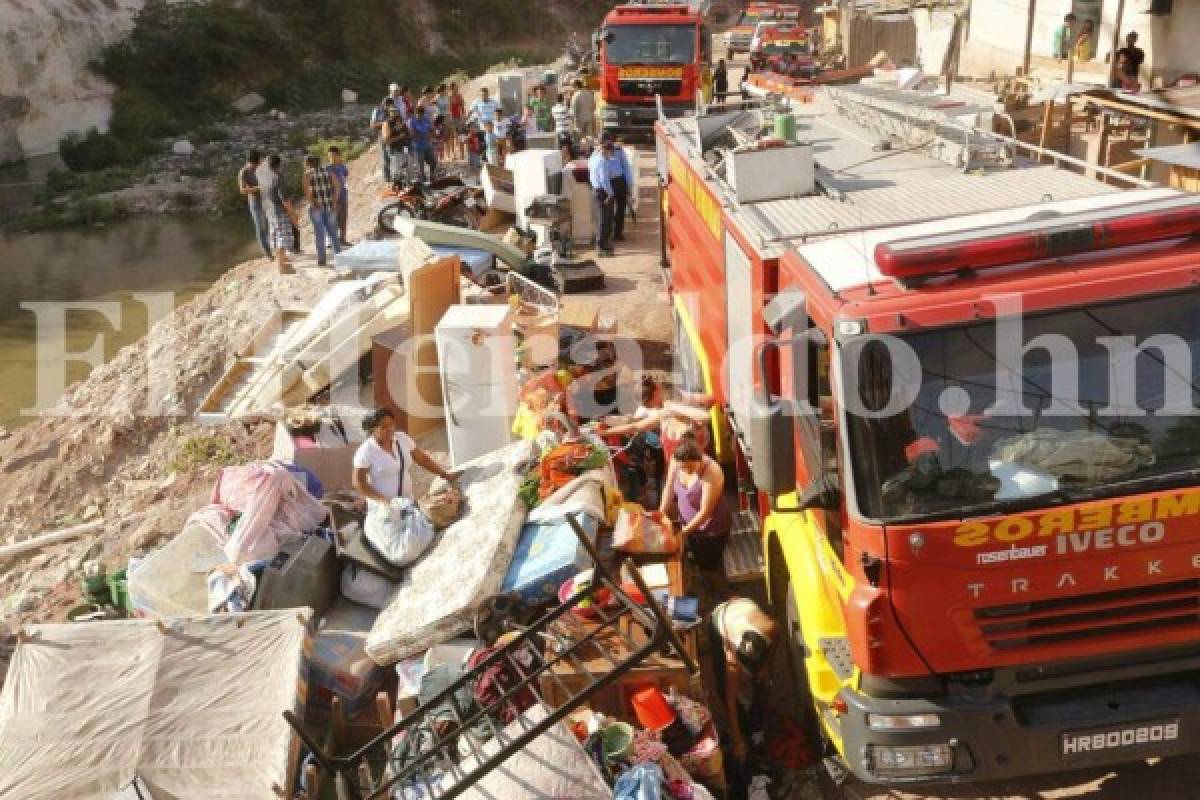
point(400, 532)
point(443, 506)
point(364, 587)
point(642, 782)
point(637, 531)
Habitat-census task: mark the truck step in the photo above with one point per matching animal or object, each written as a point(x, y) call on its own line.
point(744, 554)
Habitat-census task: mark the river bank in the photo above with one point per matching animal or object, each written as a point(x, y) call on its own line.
point(194, 173)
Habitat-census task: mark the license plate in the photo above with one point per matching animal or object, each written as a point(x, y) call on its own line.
point(1118, 738)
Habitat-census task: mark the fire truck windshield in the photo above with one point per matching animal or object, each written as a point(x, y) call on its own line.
point(650, 44)
point(1073, 404)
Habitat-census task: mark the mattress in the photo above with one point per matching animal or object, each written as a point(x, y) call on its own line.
point(440, 593)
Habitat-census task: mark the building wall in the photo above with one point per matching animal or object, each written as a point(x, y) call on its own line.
point(996, 35)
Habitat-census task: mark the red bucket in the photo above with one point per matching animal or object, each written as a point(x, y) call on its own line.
point(652, 709)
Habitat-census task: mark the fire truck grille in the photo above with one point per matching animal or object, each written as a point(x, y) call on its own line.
point(650, 87)
point(1162, 606)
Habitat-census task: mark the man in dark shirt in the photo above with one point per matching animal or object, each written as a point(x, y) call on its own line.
point(248, 186)
point(1134, 56)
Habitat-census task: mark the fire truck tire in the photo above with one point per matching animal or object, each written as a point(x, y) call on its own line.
point(786, 611)
point(835, 779)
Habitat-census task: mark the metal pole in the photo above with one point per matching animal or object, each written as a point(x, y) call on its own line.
point(1029, 38)
point(1116, 41)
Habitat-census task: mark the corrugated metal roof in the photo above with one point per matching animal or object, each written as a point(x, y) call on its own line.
point(1177, 155)
point(868, 187)
point(913, 201)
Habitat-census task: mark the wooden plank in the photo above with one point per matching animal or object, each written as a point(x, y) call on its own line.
point(1047, 123)
point(1140, 111)
point(217, 406)
point(1101, 147)
point(269, 339)
point(1028, 37)
point(1116, 41)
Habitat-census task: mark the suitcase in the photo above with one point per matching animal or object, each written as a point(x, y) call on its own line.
point(305, 572)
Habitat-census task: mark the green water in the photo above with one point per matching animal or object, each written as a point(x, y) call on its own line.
point(180, 254)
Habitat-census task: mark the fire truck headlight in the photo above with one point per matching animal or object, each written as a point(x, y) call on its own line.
point(923, 759)
point(902, 722)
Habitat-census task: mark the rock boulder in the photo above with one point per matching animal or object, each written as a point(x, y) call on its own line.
point(248, 102)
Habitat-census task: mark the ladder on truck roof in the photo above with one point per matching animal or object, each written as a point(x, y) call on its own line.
point(557, 639)
point(924, 121)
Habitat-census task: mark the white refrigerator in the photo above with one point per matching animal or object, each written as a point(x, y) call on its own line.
point(477, 357)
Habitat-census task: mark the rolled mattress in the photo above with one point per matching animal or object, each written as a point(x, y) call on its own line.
point(440, 593)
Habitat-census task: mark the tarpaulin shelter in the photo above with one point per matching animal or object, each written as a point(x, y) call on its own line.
point(193, 708)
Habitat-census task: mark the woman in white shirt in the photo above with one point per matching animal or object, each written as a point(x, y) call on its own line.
point(383, 463)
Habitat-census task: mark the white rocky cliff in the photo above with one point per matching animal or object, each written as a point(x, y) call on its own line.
point(46, 88)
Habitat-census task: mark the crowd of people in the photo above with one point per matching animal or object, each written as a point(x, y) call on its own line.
point(417, 133)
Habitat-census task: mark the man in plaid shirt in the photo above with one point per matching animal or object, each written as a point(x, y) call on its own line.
point(321, 188)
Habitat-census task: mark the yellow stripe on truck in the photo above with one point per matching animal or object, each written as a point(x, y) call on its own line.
point(716, 418)
point(813, 569)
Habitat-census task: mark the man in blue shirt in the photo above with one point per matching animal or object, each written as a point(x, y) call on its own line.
point(422, 142)
point(620, 174)
point(603, 199)
point(483, 110)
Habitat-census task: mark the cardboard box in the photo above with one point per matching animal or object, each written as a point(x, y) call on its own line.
point(579, 313)
point(339, 664)
point(329, 456)
point(547, 554)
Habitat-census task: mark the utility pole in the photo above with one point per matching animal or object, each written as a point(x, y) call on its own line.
point(1116, 42)
point(1029, 37)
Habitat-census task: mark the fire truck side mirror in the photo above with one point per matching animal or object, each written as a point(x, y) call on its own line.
point(772, 439)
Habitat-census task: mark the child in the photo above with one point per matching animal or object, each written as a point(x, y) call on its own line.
point(439, 137)
point(493, 143)
point(474, 148)
point(503, 127)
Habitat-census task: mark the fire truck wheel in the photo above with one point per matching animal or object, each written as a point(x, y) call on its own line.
point(785, 609)
point(835, 779)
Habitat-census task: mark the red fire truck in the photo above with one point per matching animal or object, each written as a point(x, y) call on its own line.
point(784, 47)
point(739, 37)
point(957, 391)
point(649, 51)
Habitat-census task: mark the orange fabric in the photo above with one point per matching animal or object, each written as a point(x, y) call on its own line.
point(560, 466)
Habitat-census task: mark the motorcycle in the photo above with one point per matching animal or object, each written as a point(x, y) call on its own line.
point(445, 200)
